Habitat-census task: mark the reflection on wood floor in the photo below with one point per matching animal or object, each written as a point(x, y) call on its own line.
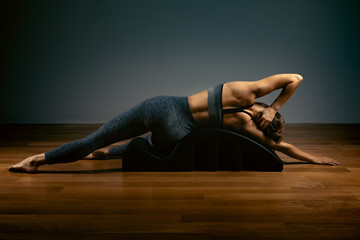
point(92, 199)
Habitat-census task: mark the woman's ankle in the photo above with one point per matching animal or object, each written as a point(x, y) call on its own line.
point(106, 152)
point(38, 160)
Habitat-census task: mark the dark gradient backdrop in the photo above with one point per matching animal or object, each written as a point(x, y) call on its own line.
point(85, 61)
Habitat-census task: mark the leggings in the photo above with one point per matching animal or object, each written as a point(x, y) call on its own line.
point(168, 118)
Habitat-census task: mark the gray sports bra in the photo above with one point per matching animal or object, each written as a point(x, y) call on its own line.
point(215, 107)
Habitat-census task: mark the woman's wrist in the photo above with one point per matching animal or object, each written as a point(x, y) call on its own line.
point(274, 108)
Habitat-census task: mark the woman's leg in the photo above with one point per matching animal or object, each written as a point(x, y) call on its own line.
point(98, 155)
point(168, 118)
point(118, 151)
point(114, 152)
point(124, 126)
point(128, 124)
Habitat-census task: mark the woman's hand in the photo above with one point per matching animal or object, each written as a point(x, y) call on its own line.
point(264, 118)
point(325, 160)
point(299, 154)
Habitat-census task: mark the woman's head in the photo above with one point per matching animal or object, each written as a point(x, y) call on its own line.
point(275, 128)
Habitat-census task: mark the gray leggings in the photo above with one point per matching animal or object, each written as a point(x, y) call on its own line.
point(168, 118)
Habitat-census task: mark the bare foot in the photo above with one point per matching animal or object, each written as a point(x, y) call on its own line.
point(98, 154)
point(29, 165)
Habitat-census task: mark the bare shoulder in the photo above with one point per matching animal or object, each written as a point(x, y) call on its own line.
point(240, 86)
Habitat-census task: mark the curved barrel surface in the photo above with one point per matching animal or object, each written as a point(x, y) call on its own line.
point(219, 149)
point(204, 150)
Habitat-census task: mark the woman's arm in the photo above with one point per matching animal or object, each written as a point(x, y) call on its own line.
point(288, 83)
point(296, 153)
point(249, 129)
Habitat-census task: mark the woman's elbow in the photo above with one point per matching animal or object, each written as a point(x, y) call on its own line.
point(297, 77)
point(294, 80)
point(281, 147)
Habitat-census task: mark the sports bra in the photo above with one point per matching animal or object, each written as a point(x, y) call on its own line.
point(215, 107)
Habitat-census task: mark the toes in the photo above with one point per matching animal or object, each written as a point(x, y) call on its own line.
point(15, 169)
point(11, 168)
point(20, 169)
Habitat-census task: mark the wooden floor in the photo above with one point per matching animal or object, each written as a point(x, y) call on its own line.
point(96, 200)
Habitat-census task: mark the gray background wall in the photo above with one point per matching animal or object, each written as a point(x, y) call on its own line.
point(86, 61)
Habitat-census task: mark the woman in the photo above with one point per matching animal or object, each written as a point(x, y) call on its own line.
point(169, 119)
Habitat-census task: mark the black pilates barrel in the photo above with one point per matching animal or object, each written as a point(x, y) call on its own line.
point(203, 150)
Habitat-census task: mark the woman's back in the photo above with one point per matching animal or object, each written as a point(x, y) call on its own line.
point(234, 94)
